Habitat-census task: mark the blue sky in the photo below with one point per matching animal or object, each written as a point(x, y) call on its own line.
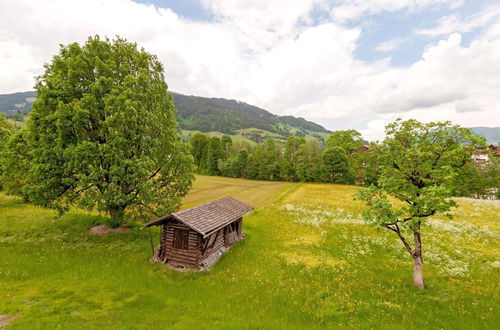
point(191, 9)
point(342, 63)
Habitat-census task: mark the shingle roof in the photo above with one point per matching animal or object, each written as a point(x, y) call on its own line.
point(208, 217)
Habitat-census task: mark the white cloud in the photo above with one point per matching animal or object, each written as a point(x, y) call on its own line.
point(260, 24)
point(353, 9)
point(447, 72)
point(267, 53)
point(390, 45)
point(468, 106)
point(453, 23)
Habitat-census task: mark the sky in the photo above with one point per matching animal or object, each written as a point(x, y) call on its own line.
point(352, 64)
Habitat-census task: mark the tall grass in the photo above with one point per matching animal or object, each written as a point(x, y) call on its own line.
point(308, 262)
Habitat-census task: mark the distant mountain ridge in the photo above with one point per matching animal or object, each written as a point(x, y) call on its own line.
point(492, 134)
point(227, 116)
point(204, 114)
point(195, 113)
point(21, 101)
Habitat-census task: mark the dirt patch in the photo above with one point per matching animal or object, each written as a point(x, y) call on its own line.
point(103, 230)
point(5, 320)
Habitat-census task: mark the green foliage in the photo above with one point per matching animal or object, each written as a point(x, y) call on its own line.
point(470, 181)
point(290, 158)
point(418, 165)
point(308, 168)
point(305, 160)
point(298, 159)
point(104, 135)
point(369, 172)
point(6, 130)
point(199, 144)
point(208, 151)
point(349, 140)
point(18, 116)
point(478, 179)
point(15, 162)
point(357, 157)
point(336, 167)
point(491, 172)
point(239, 164)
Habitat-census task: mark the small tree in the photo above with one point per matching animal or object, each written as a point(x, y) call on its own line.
point(418, 164)
point(103, 133)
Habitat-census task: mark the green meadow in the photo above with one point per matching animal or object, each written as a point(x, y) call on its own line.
point(308, 261)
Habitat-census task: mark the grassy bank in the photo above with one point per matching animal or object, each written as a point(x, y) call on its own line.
point(308, 261)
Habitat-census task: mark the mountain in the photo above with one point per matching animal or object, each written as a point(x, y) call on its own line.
point(492, 134)
point(10, 103)
point(195, 113)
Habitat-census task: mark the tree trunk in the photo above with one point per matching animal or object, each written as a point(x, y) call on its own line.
point(418, 275)
point(116, 213)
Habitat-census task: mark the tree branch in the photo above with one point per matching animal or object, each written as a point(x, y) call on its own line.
point(396, 229)
point(159, 169)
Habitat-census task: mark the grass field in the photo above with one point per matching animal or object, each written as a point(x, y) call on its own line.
point(308, 262)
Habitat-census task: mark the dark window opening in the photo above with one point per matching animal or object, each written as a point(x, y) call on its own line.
point(181, 239)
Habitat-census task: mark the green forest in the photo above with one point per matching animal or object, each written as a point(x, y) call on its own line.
point(344, 159)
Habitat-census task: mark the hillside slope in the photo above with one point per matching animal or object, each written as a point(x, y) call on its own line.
point(204, 114)
point(21, 101)
point(492, 134)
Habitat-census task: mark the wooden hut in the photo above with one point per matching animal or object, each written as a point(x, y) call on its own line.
point(196, 238)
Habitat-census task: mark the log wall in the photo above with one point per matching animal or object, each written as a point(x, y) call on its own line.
point(168, 254)
point(201, 252)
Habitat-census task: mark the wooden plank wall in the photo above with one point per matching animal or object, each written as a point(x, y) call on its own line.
point(201, 251)
point(180, 257)
point(212, 244)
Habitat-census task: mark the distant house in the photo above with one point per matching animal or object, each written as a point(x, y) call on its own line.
point(482, 155)
point(196, 238)
point(480, 158)
point(495, 148)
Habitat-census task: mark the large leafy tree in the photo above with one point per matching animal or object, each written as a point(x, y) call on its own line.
point(103, 133)
point(199, 144)
point(418, 165)
point(336, 167)
point(290, 157)
point(350, 140)
point(309, 161)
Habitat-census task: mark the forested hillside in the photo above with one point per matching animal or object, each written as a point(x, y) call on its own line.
point(10, 103)
point(204, 114)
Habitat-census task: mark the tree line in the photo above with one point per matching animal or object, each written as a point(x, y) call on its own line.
point(343, 159)
point(296, 159)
